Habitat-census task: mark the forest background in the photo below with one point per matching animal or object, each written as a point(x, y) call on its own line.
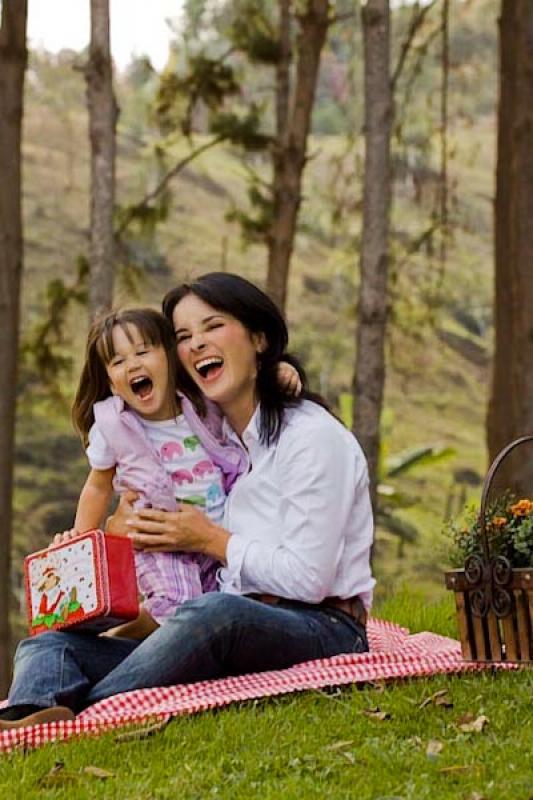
point(440, 330)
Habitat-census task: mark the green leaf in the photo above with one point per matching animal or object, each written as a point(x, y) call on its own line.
point(417, 456)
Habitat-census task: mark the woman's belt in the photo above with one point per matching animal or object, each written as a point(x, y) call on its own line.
point(353, 606)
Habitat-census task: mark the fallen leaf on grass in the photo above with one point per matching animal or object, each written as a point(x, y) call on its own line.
point(416, 741)
point(349, 757)
point(97, 772)
point(440, 698)
point(456, 769)
point(433, 748)
point(143, 732)
point(58, 776)
point(339, 745)
point(475, 726)
point(377, 713)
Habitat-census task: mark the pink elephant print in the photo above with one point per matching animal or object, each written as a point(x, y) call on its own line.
point(171, 450)
point(202, 468)
point(182, 476)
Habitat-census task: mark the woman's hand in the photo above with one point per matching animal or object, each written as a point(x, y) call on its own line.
point(186, 529)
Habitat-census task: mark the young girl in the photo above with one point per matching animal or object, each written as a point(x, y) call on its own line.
point(140, 435)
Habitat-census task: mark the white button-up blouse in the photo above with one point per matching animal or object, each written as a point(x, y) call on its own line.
point(300, 518)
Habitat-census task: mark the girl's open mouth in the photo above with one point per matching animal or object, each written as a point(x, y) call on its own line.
point(142, 386)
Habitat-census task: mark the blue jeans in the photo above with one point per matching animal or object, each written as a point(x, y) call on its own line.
point(210, 637)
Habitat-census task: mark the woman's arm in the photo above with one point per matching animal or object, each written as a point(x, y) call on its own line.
point(187, 529)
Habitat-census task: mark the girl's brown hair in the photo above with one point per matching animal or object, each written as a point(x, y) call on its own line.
point(93, 385)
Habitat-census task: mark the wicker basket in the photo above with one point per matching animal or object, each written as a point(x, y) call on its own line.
point(494, 602)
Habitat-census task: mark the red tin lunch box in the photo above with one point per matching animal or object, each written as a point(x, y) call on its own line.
point(87, 583)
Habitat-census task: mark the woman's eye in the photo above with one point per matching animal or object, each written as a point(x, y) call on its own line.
point(214, 325)
point(182, 337)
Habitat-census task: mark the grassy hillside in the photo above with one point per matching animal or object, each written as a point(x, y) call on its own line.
point(439, 342)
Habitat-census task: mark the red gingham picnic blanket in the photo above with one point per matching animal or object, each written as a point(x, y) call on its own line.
point(394, 653)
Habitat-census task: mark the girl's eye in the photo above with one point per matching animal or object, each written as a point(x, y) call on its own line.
point(182, 337)
point(116, 362)
point(214, 325)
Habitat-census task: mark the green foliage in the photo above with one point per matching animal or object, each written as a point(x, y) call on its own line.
point(252, 31)
point(391, 499)
point(255, 226)
point(509, 529)
point(45, 356)
point(207, 80)
point(242, 129)
point(416, 457)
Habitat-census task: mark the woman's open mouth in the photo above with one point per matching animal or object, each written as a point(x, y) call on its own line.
point(142, 386)
point(210, 368)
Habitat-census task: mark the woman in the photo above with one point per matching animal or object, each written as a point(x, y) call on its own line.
point(295, 580)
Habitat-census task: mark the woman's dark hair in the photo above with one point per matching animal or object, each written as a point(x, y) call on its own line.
point(93, 385)
point(238, 297)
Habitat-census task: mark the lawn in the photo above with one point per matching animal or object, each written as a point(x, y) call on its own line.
point(449, 737)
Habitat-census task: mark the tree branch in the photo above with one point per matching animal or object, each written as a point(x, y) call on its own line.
point(417, 18)
point(176, 169)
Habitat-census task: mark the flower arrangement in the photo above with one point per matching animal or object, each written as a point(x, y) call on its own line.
point(509, 527)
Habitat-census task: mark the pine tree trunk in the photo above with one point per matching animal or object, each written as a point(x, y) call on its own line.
point(102, 121)
point(511, 404)
point(283, 66)
point(13, 58)
point(369, 375)
point(289, 155)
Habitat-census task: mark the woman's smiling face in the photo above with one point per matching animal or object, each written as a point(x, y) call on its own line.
point(220, 355)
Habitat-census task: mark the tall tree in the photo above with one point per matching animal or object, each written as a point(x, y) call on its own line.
point(511, 404)
point(102, 123)
point(263, 32)
point(369, 377)
point(13, 59)
point(289, 148)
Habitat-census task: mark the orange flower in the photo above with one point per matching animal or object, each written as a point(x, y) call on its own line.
point(522, 508)
point(499, 522)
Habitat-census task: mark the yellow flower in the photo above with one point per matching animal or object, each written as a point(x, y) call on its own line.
point(522, 508)
point(499, 522)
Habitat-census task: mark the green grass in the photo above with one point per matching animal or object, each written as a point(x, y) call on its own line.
point(315, 744)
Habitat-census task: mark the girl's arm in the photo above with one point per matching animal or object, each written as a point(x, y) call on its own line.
point(289, 379)
point(94, 499)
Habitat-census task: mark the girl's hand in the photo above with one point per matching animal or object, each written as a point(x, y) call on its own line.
point(66, 536)
point(117, 522)
point(289, 379)
point(186, 529)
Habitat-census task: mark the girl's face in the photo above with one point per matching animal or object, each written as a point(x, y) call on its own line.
point(220, 355)
point(138, 373)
